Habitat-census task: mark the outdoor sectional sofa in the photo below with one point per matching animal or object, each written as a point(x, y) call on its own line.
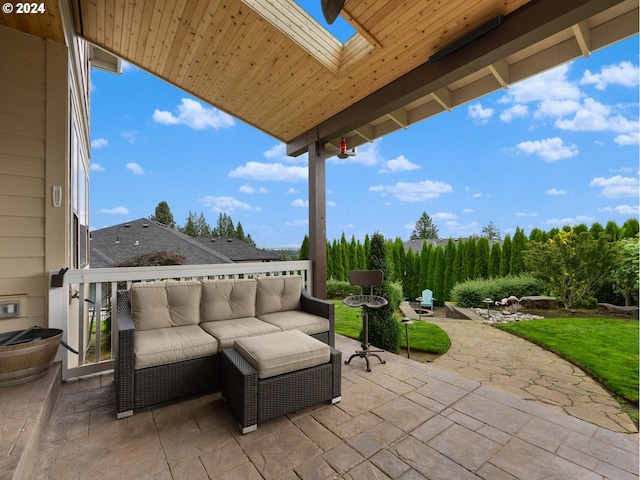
point(170, 335)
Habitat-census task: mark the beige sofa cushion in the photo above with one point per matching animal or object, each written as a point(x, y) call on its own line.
point(162, 346)
point(149, 305)
point(283, 352)
point(184, 302)
point(278, 294)
point(297, 320)
point(227, 299)
point(165, 304)
point(227, 331)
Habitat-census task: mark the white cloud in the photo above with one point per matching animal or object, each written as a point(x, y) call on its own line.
point(279, 152)
point(299, 202)
point(131, 136)
point(555, 191)
point(625, 74)
point(550, 85)
point(246, 188)
point(297, 223)
point(226, 204)
point(195, 116)
point(476, 195)
point(617, 186)
point(400, 164)
point(561, 222)
point(99, 143)
point(557, 108)
point(516, 111)
point(550, 149)
point(330, 203)
point(632, 138)
point(96, 167)
point(479, 114)
point(457, 230)
point(414, 192)
point(115, 211)
point(468, 210)
point(593, 116)
point(134, 168)
point(444, 216)
point(524, 214)
point(275, 172)
point(623, 210)
point(292, 191)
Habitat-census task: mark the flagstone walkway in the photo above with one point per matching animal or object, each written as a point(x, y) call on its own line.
point(498, 359)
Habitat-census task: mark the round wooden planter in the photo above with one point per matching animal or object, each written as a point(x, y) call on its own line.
point(31, 358)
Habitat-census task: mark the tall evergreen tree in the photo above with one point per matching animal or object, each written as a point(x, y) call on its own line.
point(190, 226)
point(163, 215)
point(431, 270)
point(425, 254)
point(505, 258)
point(330, 269)
point(596, 229)
point(240, 232)
point(469, 260)
point(202, 227)
point(458, 262)
point(537, 235)
point(398, 259)
point(494, 261)
point(481, 266)
point(304, 251)
point(630, 228)
point(353, 254)
point(491, 232)
point(449, 258)
point(383, 329)
point(518, 246)
point(438, 280)
point(411, 275)
point(424, 228)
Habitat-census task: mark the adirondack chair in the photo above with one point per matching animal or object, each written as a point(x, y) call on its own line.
point(426, 301)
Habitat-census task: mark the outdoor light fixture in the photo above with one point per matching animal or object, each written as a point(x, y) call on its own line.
point(343, 153)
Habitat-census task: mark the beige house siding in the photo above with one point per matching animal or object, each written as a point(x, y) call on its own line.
point(36, 91)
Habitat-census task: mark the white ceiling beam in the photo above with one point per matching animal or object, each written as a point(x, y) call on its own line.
point(400, 117)
point(366, 132)
point(444, 98)
point(500, 70)
point(582, 33)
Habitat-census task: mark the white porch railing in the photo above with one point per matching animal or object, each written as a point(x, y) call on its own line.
point(91, 294)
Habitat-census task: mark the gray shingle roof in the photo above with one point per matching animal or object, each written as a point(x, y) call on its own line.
point(116, 244)
point(236, 250)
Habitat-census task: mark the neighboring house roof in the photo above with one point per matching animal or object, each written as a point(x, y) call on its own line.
point(236, 249)
point(113, 245)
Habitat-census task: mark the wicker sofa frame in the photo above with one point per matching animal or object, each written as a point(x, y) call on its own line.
point(146, 387)
point(253, 400)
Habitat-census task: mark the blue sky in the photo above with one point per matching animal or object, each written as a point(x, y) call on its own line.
point(557, 149)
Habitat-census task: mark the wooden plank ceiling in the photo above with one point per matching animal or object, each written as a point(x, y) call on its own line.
point(268, 63)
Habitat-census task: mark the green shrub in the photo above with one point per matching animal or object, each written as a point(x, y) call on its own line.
point(340, 289)
point(473, 292)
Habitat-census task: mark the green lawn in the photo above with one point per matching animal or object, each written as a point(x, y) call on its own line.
point(423, 336)
point(607, 349)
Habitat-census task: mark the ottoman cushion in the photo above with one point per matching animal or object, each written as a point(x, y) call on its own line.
point(278, 353)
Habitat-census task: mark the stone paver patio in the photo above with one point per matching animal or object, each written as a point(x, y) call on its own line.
point(402, 420)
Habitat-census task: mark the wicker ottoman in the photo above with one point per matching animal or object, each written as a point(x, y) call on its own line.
point(267, 376)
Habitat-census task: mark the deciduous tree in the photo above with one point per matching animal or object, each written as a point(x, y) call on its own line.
point(571, 264)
